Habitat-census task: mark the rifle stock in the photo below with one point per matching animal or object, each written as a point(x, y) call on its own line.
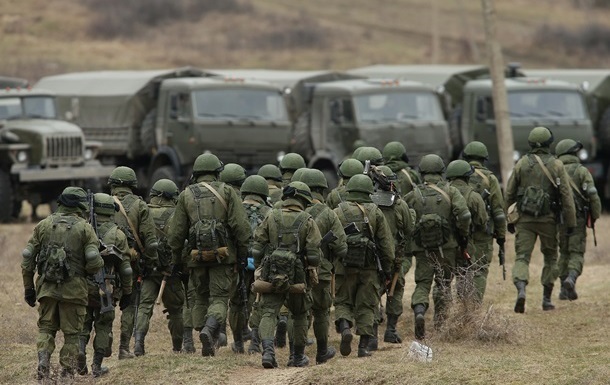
point(502, 261)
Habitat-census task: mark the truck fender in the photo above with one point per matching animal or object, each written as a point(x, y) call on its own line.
point(166, 156)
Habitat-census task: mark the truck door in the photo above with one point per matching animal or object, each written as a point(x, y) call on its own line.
point(180, 122)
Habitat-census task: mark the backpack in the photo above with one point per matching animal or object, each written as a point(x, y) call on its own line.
point(127, 202)
point(161, 216)
point(360, 246)
point(536, 200)
point(208, 231)
point(54, 264)
point(432, 229)
point(480, 183)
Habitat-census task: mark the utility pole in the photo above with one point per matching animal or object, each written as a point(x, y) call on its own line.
point(504, 133)
point(436, 38)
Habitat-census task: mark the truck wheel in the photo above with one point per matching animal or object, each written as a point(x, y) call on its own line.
point(6, 197)
point(163, 172)
point(147, 131)
point(455, 136)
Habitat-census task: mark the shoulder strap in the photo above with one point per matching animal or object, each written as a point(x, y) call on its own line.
point(575, 188)
point(441, 191)
point(129, 222)
point(545, 170)
point(366, 219)
point(407, 175)
point(483, 176)
point(216, 194)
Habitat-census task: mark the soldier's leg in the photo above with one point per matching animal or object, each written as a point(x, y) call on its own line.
point(299, 306)
point(525, 239)
point(269, 307)
point(102, 341)
point(578, 244)
point(48, 325)
point(481, 262)
point(394, 306)
point(173, 301)
point(187, 316)
point(200, 281)
point(83, 340)
point(222, 283)
point(254, 322)
point(282, 327)
point(424, 276)
point(150, 290)
point(127, 325)
point(237, 320)
point(345, 295)
point(365, 301)
point(445, 265)
point(548, 247)
point(71, 319)
point(320, 309)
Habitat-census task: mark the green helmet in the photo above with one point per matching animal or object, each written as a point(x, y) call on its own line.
point(459, 169)
point(298, 175)
point(73, 197)
point(395, 151)
point(291, 161)
point(233, 174)
point(475, 150)
point(391, 175)
point(270, 171)
point(360, 183)
point(540, 137)
point(297, 190)
point(123, 176)
point(357, 144)
point(568, 146)
point(164, 188)
point(314, 178)
point(255, 184)
point(350, 167)
point(368, 153)
point(103, 204)
point(431, 164)
point(207, 164)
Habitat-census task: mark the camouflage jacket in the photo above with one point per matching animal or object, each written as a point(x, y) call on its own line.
point(481, 180)
point(161, 211)
point(583, 188)
point(407, 177)
point(476, 206)
point(401, 221)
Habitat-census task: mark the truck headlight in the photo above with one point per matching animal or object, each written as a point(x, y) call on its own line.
point(88, 154)
point(22, 156)
point(516, 155)
point(583, 155)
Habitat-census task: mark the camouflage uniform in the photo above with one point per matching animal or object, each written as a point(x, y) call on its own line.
point(396, 159)
point(273, 176)
point(347, 169)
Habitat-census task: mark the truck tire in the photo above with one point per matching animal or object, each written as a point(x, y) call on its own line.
point(6, 197)
point(147, 131)
point(455, 135)
point(163, 172)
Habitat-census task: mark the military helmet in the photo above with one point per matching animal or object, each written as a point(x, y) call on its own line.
point(298, 175)
point(431, 164)
point(255, 184)
point(123, 176)
point(73, 197)
point(297, 190)
point(207, 164)
point(459, 169)
point(291, 161)
point(391, 175)
point(270, 171)
point(233, 174)
point(350, 167)
point(103, 204)
point(164, 188)
point(368, 153)
point(568, 146)
point(475, 150)
point(357, 144)
point(540, 137)
point(360, 183)
point(314, 178)
point(395, 151)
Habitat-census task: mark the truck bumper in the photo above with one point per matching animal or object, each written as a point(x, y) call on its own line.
point(90, 170)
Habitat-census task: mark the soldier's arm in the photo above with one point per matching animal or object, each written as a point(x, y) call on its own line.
point(512, 186)
point(91, 244)
point(148, 235)
point(481, 211)
point(385, 242)
point(238, 223)
point(567, 199)
point(124, 269)
point(30, 253)
point(460, 211)
point(498, 207)
point(312, 243)
point(595, 204)
point(261, 240)
point(179, 224)
point(338, 247)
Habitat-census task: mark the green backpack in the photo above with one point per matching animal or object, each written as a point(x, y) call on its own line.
point(360, 245)
point(432, 229)
point(535, 200)
point(208, 231)
point(161, 217)
point(128, 201)
point(54, 263)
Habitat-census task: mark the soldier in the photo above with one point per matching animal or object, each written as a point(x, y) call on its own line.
point(135, 221)
point(234, 175)
point(347, 169)
point(459, 173)
point(358, 280)
point(442, 224)
point(539, 185)
point(289, 164)
point(63, 249)
point(327, 220)
point(273, 175)
point(486, 184)
point(209, 214)
point(188, 345)
point(369, 153)
point(100, 311)
point(395, 156)
point(286, 249)
point(588, 210)
point(163, 196)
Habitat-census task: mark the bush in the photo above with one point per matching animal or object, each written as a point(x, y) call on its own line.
point(592, 38)
point(301, 32)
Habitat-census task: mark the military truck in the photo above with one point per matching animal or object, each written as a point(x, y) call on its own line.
point(39, 154)
point(158, 122)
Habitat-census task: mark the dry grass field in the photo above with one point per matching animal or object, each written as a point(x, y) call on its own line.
point(567, 346)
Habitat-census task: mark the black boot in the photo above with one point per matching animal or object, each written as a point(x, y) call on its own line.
point(96, 367)
point(138, 348)
point(43, 365)
point(238, 343)
point(188, 345)
point(563, 294)
point(520, 303)
point(300, 358)
point(324, 352)
point(81, 360)
point(255, 342)
point(246, 333)
point(177, 343)
point(373, 340)
point(419, 311)
point(124, 352)
point(363, 345)
point(391, 335)
point(207, 336)
point(280, 331)
point(346, 337)
point(222, 336)
point(268, 361)
point(290, 362)
point(546, 298)
point(569, 285)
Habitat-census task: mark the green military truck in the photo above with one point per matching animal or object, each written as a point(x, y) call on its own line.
point(39, 154)
point(158, 122)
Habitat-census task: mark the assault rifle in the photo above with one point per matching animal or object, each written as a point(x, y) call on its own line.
point(100, 278)
point(243, 286)
point(502, 260)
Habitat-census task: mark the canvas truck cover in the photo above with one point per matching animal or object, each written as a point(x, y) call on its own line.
point(8, 82)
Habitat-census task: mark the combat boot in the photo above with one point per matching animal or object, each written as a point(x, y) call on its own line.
point(207, 337)
point(546, 298)
point(419, 311)
point(365, 342)
point(43, 365)
point(66, 375)
point(188, 345)
point(222, 336)
point(81, 359)
point(268, 360)
point(290, 362)
point(255, 343)
point(177, 343)
point(280, 331)
point(373, 340)
point(563, 294)
point(324, 352)
point(520, 303)
point(246, 333)
point(124, 352)
point(96, 366)
point(300, 358)
point(391, 335)
point(569, 285)
point(138, 348)
point(238, 343)
point(346, 337)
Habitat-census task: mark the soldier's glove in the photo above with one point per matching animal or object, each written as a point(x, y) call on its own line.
point(570, 231)
point(30, 296)
point(125, 301)
point(500, 241)
point(511, 228)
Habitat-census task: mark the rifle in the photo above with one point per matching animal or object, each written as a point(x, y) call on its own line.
point(591, 224)
point(502, 260)
point(379, 178)
point(137, 301)
point(100, 277)
point(243, 287)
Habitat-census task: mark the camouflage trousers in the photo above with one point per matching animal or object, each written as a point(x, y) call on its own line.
point(572, 249)
point(298, 306)
point(213, 288)
point(394, 303)
point(320, 310)
point(187, 311)
point(434, 267)
point(525, 239)
point(357, 298)
point(471, 276)
point(102, 323)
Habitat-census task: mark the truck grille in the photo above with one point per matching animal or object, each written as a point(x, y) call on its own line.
point(64, 150)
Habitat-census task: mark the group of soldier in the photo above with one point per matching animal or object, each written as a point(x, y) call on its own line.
point(270, 254)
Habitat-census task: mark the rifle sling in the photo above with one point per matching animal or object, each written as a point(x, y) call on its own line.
point(545, 170)
point(576, 189)
point(216, 194)
point(129, 222)
point(441, 191)
point(484, 177)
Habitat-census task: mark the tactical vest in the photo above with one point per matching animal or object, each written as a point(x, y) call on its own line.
point(208, 218)
point(61, 257)
point(108, 234)
point(480, 183)
point(161, 216)
point(433, 208)
point(256, 213)
point(129, 202)
point(361, 245)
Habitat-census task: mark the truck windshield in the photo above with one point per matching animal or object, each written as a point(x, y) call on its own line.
point(39, 107)
point(10, 108)
point(256, 104)
point(397, 106)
